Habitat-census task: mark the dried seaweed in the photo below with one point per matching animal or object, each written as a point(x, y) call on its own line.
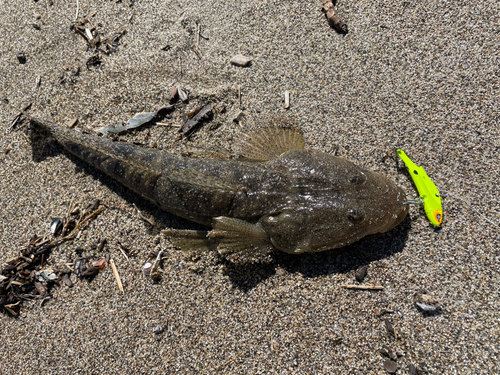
point(26, 276)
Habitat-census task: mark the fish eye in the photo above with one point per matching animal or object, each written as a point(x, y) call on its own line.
point(355, 216)
point(358, 179)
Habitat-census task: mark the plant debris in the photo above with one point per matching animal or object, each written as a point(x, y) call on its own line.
point(25, 277)
point(333, 17)
point(390, 328)
point(95, 60)
point(197, 119)
point(18, 117)
point(71, 123)
point(136, 121)
point(117, 276)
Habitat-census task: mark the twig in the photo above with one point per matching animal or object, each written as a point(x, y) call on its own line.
point(154, 269)
point(362, 287)
point(77, 9)
point(126, 257)
point(18, 116)
point(117, 276)
point(144, 217)
point(239, 94)
point(74, 232)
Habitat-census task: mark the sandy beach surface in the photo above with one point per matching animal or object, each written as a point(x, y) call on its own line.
point(420, 75)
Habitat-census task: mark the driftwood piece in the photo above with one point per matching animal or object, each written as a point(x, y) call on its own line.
point(333, 17)
point(190, 124)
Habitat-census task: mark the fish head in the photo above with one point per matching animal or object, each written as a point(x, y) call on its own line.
point(332, 203)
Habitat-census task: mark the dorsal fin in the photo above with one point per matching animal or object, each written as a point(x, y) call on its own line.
point(270, 142)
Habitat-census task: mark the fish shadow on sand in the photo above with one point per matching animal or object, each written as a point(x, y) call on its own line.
point(246, 276)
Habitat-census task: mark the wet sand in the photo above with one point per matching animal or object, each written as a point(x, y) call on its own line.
point(420, 75)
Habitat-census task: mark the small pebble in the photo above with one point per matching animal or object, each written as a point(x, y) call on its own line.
point(21, 57)
point(390, 366)
point(361, 274)
point(240, 60)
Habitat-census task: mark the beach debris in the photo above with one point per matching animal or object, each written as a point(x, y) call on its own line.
point(56, 226)
point(21, 57)
point(429, 193)
point(183, 94)
point(379, 313)
point(197, 119)
point(155, 272)
point(38, 81)
point(389, 328)
point(123, 251)
point(238, 116)
point(23, 278)
point(117, 276)
point(361, 274)
point(83, 270)
point(362, 287)
point(94, 60)
point(72, 122)
point(99, 264)
point(149, 221)
point(6, 150)
point(426, 301)
point(46, 275)
point(239, 96)
point(16, 120)
point(136, 121)
point(387, 352)
point(158, 329)
point(333, 18)
point(65, 277)
point(390, 366)
point(240, 60)
point(101, 245)
point(146, 269)
point(173, 95)
point(287, 99)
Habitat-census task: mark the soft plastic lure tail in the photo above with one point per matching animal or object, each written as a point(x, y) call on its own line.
point(429, 194)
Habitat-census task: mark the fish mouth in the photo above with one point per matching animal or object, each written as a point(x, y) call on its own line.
point(397, 218)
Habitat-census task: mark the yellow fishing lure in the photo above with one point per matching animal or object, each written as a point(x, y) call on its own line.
point(429, 194)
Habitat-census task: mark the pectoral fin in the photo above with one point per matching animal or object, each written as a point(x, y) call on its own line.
point(191, 240)
point(271, 142)
point(239, 236)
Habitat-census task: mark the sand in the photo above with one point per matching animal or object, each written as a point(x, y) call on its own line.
point(421, 75)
